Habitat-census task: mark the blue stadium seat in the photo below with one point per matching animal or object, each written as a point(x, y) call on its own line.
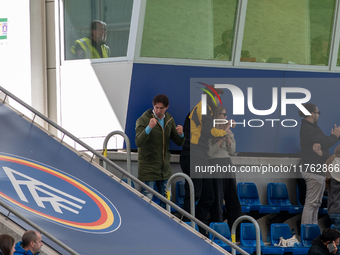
point(224, 230)
point(277, 195)
point(180, 193)
point(189, 223)
point(132, 184)
point(248, 238)
point(248, 196)
point(308, 233)
point(282, 229)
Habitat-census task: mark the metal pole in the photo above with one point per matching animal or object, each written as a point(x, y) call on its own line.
point(192, 193)
point(257, 229)
point(128, 150)
point(121, 170)
point(45, 233)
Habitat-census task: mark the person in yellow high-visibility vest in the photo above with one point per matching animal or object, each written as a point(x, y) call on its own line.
point(92, 46)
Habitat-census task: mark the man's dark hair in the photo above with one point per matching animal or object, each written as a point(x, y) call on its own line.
point(330, 234)
point(161, 99)
point(29, 236)
point(94, 24)
point(310, 107)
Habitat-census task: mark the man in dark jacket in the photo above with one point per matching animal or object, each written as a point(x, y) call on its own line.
point(311, 136)
point(154, 129)
point(326, 242)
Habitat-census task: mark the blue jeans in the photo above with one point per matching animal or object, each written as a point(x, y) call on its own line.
point(160, 187)
point(335, 218)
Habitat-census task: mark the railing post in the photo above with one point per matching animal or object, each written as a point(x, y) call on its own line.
point(192, 193)
point(128, 150)
point(257, 229)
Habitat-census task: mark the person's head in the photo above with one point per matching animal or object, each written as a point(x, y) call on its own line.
point(227, 36)
point(7, 244)
point(31, 240)
point(329, 235)
point(332, 157)
point(160, 105)
point(98, 31)
point(314, 110)
point(220, 112)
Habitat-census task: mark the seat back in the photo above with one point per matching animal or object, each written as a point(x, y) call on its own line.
point(132, 183)
point(298, 195)
point(308, 233)
point(248, 235)
point(277, 230)
point(180, 192)
point(247, 193)
point(277, 194)
point(189, 223)
point(222, 228)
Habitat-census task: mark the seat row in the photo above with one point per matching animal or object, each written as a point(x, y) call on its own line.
point(277, 230)
point(277, 198)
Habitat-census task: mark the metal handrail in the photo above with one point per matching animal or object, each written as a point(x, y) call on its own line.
point(35, 226)
point(192, 193)
point(128, 151)
point(257, 230)
point(123, 171)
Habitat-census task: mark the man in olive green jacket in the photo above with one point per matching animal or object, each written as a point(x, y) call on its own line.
point(154, 129)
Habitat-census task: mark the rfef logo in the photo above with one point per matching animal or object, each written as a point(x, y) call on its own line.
point(55, 196)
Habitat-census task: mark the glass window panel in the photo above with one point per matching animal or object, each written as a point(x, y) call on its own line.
point(109, 35)
point(338, 61)
point(189, 29)
point(289, 31)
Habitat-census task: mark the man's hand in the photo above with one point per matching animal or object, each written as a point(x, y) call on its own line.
point(317, 149)
point(179, 129)
point(336, 131)
point(152, 123)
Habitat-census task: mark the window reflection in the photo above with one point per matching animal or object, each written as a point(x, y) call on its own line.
point(93, 45)
point(224, 50)
point(289, 31)
point(96, 28)
point(189, 29)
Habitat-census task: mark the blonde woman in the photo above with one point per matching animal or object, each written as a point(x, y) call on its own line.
point(219, 153)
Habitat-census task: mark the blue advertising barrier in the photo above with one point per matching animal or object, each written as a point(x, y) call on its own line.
point(80, 205)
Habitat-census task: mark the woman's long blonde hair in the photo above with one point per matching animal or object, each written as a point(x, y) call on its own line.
point(336, 154)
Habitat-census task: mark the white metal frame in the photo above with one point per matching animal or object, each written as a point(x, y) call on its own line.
point(237, 46)
point(136, 34)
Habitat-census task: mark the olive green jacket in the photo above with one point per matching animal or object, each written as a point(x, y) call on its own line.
point(153, 149)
